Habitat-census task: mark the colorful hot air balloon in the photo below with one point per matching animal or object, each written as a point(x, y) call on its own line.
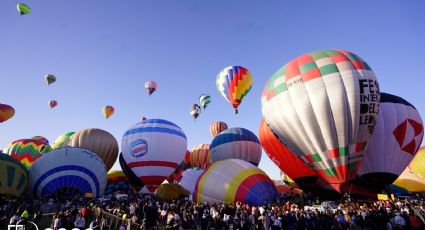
point(118, 182)
point(108, 111)
point(238, 143)
point(49, 78)
point(27, 151)
point(204, 100)
point(195, 110)
point(411, 181)
point(323, 106)
point(234, 180)
point(53, 104)
point(287, 161)
point(153, 149)
point(23, 9)
point(150, 87)
point(234, 83)
point(13, 176)
point(189, 178)
point(396, 139)
point(6, 112)
point(40, 138)
point(418, 162)
point(169, 192)
point(134, 180)
point(67, 171)
point(217, 127)
point(62, 140)
point(98, 141)
point(200, 156)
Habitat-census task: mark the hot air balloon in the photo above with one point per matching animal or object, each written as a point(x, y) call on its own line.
point(142, 118)
point(217, 127)
point(234, 83)
point(200, 156)
point(150, 87)
point(40, 138)
point(287, 161)
point(23, 9)
point(117, 182)
point(27, 151)
point(204, 100)
point(323, 106)
point(134, 180)
point(238, 143)
point(153, 149)
point(234, 180)
point(418, 162)
point(195, 110)
point(98, 141)
point(13, 176)
point(108, 111)
point(49, 78)
point(189, 178)
point(67, 171)
point(53, 104)
point(411, 181)
point(6, 112)
point(62, 140)
point(168, 192)
point(396, 139)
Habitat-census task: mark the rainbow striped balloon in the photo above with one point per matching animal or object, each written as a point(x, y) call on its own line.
point(27, 151)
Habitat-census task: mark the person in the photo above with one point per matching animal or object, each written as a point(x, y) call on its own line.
point(95, 224)
point(80, 222)
point(57, 222)
point(15, 218)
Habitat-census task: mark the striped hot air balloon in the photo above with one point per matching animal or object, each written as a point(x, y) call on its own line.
point(153, 149)
point(204, 100)
point(27, 151)
point(217, 127)
point(200, 156)
point(189, 178)
point(13, 176)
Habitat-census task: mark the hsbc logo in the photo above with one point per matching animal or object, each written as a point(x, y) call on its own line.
point(409, 135)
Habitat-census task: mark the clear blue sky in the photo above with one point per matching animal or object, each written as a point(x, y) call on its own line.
point(102, 52)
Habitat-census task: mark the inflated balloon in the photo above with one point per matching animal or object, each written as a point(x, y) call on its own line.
point(49, 78)
point(195, 110)
point(62, 140)
point(217, 127)
point(98, 141)
point(53, 104)
point(323, 106)
point(200, 156)
point(235, 180)
point(153, 149)
point(67, 171)
point(189, 178)
point(287, 161)
point(396, 139)
point(411, 181)
point(27, 151)
point(40, 138)
point(418, 162)
point(6, 112)
point(117, 182)
point(151, 87)
point(134, 180)
point(204, 100)
point(234, 83)
point(108, 111)
point(13, 176)
point(23, 9)
point(168, 192)
point(238, 143)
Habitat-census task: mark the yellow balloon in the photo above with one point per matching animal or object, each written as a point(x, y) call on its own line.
point(418, 162)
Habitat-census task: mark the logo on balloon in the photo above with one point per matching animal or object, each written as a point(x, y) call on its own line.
point(138, 148)
point(408, 135)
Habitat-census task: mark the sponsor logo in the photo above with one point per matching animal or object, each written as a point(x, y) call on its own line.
point(408, 135)
point(138, 148)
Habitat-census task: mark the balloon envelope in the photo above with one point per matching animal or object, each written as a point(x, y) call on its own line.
point(204, 100)
point(62, 140)
point(189, 178)
point(6, 112)
point(418, 162)
point(150, 87)
point(217, 127)
point(108, 111)
point(27, 151)
point(200, 156)
point(53, 103)
point(323, 106)
point(168, 192)
point(23, 9)
point(411, 181)
point(49, 78)
point(117, 182)
point(13, 176)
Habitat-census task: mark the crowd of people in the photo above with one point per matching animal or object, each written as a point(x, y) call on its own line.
point(146, 212)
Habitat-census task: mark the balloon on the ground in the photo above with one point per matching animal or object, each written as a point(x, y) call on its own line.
point(411, 181)
point(189, 178)
point(134, 180)
point(153, 149)
point(323, 106)
point(396, 139)
point(418, 162)
point(204, 100)
point(217, 127)
point(98, 141)
point(27, 151)
point(117, 182)
point(235, 180)
point(62, 140)
point(108, 111)
point(67, 171)
point(168, 192)
point(6, 112)
point(49, 78)
point(200, 156)
point(13, 176)
point(23, 8)
point(150, 87)
point(53, 104)
point(286, 160)
point(234, 83)
point(238, 143)
point(195, 110)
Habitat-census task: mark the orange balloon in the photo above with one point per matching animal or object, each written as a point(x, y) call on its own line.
point(6, 112)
